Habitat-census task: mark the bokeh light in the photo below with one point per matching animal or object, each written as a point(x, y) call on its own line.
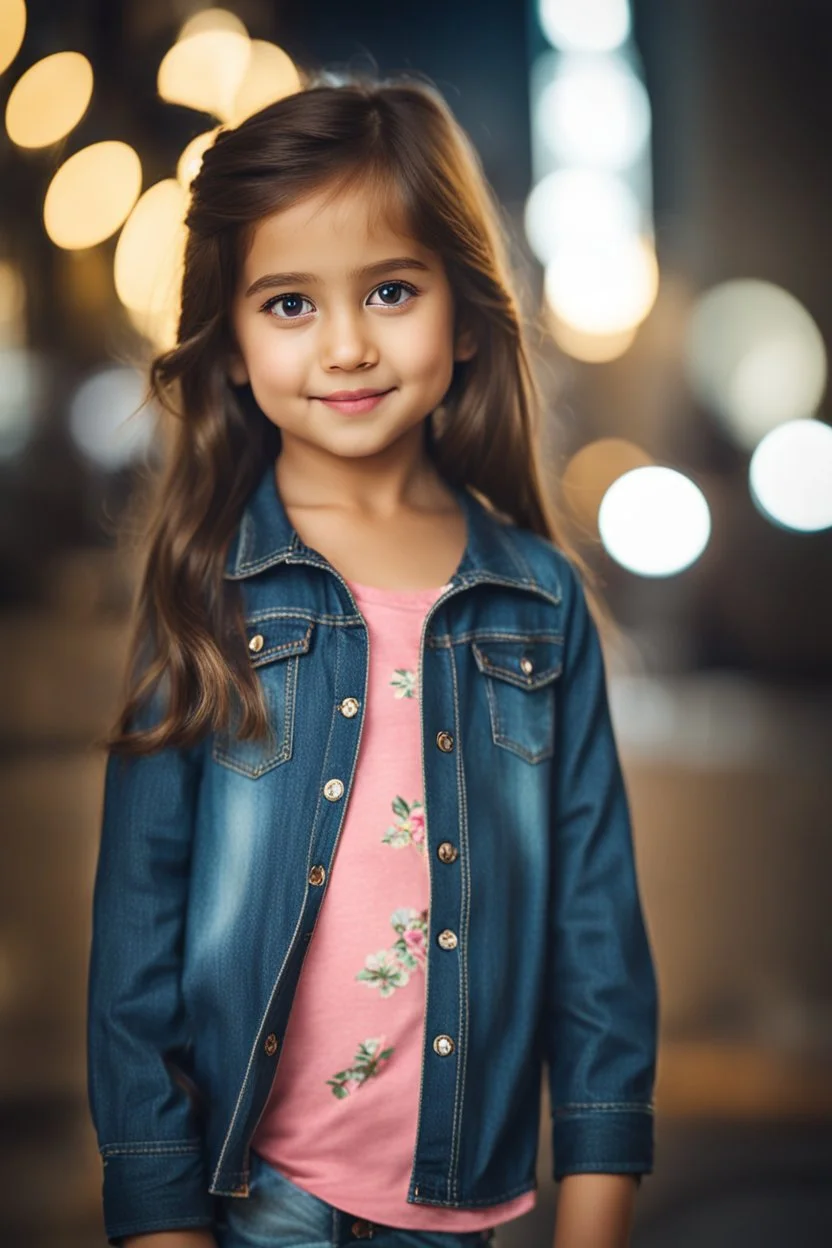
point(790, 475)
point(588, 348)
point(49, 100)
point(22, 382)
point(755, 358)
point(579, 205)
point(91, 194)
point(107, 419)
point(12, 30)
point(604, 288)
point(654, 521)
point(190, 162)
point(149, 259)
point(12, 305)
point(592, 470)
point(585, 25)
point(205, 71)
point(271, 75)
point(594, 112)
point(212, 19)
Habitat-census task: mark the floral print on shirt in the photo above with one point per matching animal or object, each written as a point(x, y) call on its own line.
point(409, 827)
point(389, 969)
point(404, 682)
point(367, 1062)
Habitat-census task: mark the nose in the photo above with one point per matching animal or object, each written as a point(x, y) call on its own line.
point(347, 341)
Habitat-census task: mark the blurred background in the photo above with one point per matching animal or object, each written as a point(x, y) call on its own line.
point(664, 169)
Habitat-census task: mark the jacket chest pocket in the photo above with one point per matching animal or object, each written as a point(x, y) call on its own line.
point(520, 675)
point(276, 648)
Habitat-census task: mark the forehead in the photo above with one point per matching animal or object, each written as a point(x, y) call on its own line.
point(326, 233)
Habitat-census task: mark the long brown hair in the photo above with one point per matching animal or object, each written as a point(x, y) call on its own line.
point(399, 140)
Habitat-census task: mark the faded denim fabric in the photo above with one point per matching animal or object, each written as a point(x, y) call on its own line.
point(279, 1214)
point(203, 905)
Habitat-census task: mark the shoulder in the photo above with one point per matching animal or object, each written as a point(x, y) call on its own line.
point(548, 565)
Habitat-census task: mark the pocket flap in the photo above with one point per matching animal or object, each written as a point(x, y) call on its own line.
point(527, 662)
point(277, 638)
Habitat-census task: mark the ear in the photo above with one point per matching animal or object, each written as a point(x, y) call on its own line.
point(466, 346)
point(237, 371)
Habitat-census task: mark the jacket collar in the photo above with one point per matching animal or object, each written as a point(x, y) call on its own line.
point(265, 536)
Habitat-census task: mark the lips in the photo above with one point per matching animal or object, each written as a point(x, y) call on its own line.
point(351, 395)
point(356, 400)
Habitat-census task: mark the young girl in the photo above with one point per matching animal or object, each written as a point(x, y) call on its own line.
point(366, 867)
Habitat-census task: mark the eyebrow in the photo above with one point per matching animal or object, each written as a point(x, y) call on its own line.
point(309, 279)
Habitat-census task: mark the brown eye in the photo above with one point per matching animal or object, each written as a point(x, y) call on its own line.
point(395, 287)
point(292, 300)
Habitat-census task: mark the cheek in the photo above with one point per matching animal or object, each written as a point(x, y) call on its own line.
point(430, 349)
point(272, 359)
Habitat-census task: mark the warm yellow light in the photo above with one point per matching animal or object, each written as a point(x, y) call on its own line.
point(590, 348)
point(149, 258)
point(271, 75)
point(49, 99)
point(12, 30)
point(91, 194)
point(190, 161)
point(603, 288)
point(212, 19)
point(205, 71)
point(591, 472)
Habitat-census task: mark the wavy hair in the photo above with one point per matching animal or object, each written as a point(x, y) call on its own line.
point(398, 139)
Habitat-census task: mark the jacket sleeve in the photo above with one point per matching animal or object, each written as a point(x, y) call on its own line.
point(601, 1019)
point(145, 1118)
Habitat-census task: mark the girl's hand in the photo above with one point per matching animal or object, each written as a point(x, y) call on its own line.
point(171, 1239)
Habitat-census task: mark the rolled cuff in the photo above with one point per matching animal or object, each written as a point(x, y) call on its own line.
point(155, 1187)
point(594, 1139)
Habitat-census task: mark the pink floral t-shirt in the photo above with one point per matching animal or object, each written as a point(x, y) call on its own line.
point(342, 1115)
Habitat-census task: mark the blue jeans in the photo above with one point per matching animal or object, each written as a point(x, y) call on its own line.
point(279, 1214)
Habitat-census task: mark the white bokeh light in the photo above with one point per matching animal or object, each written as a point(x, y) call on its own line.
point(107, 420)
point(594, 112)
point(790, 475)
point(592, 25)
point(579, 205)
point(654, 521)
point(755, 358)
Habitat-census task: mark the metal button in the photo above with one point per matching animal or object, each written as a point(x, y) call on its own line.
point(317, 875)
point(256, 643)
point(447, 851)
point(333, 789)
point(242, 1190)
point(270, 1044)
point(445, 741)
point(362, 1229)
point(526, 666)
point(349, 707)
point(443, 1045)
point(447, 939)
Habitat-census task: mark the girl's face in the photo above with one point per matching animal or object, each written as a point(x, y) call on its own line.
point(324, 305)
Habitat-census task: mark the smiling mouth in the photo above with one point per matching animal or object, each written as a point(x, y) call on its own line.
point(351, 396)
point(364, 404)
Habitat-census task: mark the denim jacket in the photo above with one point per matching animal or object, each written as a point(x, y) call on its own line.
point(214, 860)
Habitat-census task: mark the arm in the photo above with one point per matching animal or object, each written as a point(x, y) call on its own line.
point(147, 1125)
point(595, 1211)
point(601, 1021)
